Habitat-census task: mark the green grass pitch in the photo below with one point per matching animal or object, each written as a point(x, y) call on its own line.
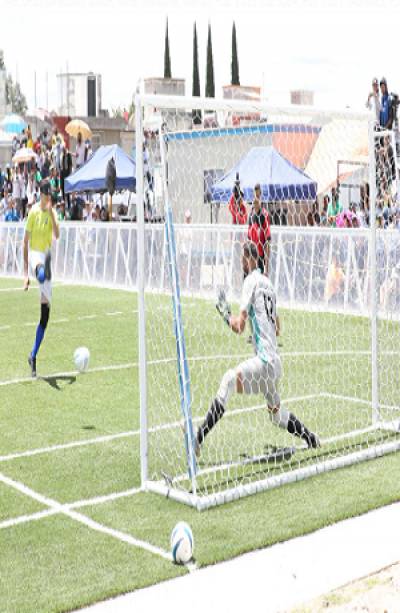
point(73, 441)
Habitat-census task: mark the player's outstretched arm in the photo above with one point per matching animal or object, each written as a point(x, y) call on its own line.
point(238, 322)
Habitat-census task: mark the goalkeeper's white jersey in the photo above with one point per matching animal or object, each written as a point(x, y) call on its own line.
point(259, 302)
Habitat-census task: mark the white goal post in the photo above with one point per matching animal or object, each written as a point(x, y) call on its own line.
point(336, 291)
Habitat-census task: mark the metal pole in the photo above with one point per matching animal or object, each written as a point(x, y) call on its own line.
point(140, 286)
point(373, 274)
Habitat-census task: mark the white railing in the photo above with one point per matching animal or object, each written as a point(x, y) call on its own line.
point(313, 268)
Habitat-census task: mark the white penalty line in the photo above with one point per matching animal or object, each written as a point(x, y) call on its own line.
point(295, 354)
point(55, 507)
point(131, 433)
point(79, 504)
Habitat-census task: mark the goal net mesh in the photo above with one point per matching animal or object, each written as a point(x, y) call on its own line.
point(313, 170)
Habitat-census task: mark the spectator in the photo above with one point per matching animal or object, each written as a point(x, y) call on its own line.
point(29, 139)
point(334, 207)
point(54, 186)
point(237, 206)
point(87, 212)
point(104, 214)
point(324, 212)
point(77, 207)
point(80, 151)
point(8, 179)
point(66, 169)
point(60, 211)
point(386, 114)
point(56, 152)
point(373, 102)
point(1, 183)
point(11, 213)
point(18, 189)
point(259, 231)
point(334, 280)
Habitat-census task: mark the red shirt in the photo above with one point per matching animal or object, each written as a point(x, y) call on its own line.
point(259, 229)
point(238, 211)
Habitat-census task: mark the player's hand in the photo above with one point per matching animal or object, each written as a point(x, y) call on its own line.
point(26, 284)
point(223, 307)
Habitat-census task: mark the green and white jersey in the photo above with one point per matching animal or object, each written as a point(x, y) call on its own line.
point(259, 302)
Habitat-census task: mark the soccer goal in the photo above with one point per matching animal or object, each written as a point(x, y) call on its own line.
point(337, 291)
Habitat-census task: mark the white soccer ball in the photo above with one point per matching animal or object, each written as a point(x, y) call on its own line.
point(81, 358)
point(182, 543)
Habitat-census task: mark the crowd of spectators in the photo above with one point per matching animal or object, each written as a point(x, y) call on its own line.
point(52, 163)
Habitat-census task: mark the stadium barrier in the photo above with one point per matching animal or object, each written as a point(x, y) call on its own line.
point(311, 268)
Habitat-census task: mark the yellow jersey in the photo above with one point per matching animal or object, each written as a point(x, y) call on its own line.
point(40, 227)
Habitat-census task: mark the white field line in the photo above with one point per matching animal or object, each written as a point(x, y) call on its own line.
point(209, 358)
point(79, 504)
point(12, 289)
point(5, 327)
point(130, 433)
point(56, 507)
point(387, 407)
point(24, 519)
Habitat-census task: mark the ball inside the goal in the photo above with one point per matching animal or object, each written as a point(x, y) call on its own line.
point(182, 543)
point(81, 358)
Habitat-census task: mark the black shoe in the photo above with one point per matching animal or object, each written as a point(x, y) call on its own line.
point(32, 364)
point(47, 266)
point(311, 439)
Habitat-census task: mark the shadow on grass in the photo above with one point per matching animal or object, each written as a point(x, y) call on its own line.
point(55, 381)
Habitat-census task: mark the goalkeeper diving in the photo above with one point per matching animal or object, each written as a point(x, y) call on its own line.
point(261, 373)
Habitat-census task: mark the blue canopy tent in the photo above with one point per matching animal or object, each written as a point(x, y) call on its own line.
point(279, 179)
point(91, 177)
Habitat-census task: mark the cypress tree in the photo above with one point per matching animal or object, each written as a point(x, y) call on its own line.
point(196, 114)
point(167, 59)
point(235, 61)
point(210, 86)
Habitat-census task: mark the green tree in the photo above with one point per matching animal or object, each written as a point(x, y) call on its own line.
point(20, 105)
point(196, 114)
point(167, 59)
point(235, 61)
point(210, 86)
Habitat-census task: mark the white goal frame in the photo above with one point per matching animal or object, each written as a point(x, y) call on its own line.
point(191, 498)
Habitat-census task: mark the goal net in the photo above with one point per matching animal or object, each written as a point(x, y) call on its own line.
point(323, 176)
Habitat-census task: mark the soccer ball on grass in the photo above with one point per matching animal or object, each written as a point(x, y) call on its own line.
point(81, 358)
point(182, 543)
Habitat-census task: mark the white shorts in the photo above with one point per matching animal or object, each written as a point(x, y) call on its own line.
point(36, 258)
point(260, 377)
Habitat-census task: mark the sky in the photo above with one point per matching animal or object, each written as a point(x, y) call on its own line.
point(333, 47)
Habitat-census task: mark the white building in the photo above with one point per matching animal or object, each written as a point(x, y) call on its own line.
point(79, 94)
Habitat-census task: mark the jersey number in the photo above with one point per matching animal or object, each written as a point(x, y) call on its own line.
point(270, 308)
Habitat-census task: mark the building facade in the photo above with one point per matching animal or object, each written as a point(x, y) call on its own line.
point(79, 94)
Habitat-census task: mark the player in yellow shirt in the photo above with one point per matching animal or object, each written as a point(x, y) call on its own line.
point(41, 227)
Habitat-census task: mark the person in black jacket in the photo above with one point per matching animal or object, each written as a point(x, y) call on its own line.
point(66, 169)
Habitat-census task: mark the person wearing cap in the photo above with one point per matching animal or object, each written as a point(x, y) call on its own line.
point(41, 227)
point(373, 102)
point(259, 231)
point(386, 106)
